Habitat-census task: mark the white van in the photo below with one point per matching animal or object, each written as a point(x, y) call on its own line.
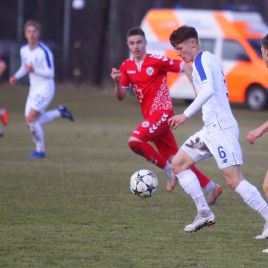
point(232, 36)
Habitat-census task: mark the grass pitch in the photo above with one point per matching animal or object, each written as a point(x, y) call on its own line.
point(74, 208)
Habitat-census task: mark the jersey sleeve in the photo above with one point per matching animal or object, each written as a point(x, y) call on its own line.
point(168, 65)
point(21, 71)
point(45, 70)
point(124, 79)
point(204, 71)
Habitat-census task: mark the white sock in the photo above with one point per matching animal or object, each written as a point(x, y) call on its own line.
point(169, 172)
point(38, 136)
point(48, 116)
point(191, 186)
point(167, 167)
point(253, 198)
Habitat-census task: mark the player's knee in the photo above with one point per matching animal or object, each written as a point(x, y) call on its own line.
point(178, 165)
point(135, 146)
point(30, 119)
point(231, 181)
point(233, 177)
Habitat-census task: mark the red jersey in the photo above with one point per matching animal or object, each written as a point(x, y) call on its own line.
point(149, 81)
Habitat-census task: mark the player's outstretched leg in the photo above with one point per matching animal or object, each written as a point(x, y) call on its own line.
point(65, 113)
point(203, 218)
point(253, 199)
point(39, 141)
point(191, 186)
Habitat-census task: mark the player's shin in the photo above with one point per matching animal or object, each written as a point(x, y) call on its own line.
point(203, 179)
point(191, 186)
point(253, 198)
point(37, 136)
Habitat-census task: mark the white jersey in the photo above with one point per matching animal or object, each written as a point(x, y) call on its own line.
point(212, 94)
point(41, 58)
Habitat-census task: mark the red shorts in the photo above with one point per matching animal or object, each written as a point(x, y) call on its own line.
point(155, 129)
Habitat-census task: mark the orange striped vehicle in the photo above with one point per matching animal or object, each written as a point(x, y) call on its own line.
point(232, 36)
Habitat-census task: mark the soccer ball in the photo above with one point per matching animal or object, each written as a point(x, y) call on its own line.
point(143, 183)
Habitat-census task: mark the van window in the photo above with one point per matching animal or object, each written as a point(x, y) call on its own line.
point(256, 45)
point(207, 44)
point(232, 50)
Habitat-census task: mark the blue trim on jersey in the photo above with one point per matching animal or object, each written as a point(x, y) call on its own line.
point(46, 54)
point(199, 67)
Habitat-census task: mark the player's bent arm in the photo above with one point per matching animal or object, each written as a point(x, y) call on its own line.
point(12, 80)
point(258, 132)
point(121, 92)
point(200, 100)
point(264, 127)
point(20, 73)
point(46, 73)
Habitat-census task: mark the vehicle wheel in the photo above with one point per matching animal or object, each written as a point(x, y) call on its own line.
point(187, 101)
point(257, 98)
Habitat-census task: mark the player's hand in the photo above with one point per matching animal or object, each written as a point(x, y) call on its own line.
point(29, 68)
point(12, 80)
point(115, 74)
point(253, 135)
point(177, 120)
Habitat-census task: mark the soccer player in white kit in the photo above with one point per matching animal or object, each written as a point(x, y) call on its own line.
point(37, 62)
point(218, 138)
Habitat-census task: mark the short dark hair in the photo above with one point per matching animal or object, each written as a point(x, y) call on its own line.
point(135, 31)
point(182, 34)
point(264, 42)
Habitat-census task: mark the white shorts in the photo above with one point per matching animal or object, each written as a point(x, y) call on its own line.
point(39, 99)
point(222, 144)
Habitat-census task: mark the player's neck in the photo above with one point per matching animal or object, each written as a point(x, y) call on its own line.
point(197, 51)
point(140, 59)
point(33, 45)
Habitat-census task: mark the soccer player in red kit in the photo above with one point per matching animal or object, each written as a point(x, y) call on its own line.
point(146, 74)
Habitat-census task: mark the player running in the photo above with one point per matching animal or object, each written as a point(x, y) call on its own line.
point(146, 74)
point(218, 138)
point(37, 62)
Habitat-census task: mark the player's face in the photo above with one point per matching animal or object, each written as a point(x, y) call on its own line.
point(265, 55)
point(185, 50)
point(137, 46)
point(32, 35)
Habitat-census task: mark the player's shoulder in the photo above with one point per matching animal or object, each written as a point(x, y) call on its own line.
point(24, 48)
point(157, 57)
point(127, 62)
point(207, 56)
point(43, 46)
point(204, 58)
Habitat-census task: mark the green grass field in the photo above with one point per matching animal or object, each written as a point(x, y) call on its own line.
point(74, 208)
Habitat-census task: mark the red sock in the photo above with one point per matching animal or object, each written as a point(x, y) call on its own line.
point(203, 179)
point(147, 151)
